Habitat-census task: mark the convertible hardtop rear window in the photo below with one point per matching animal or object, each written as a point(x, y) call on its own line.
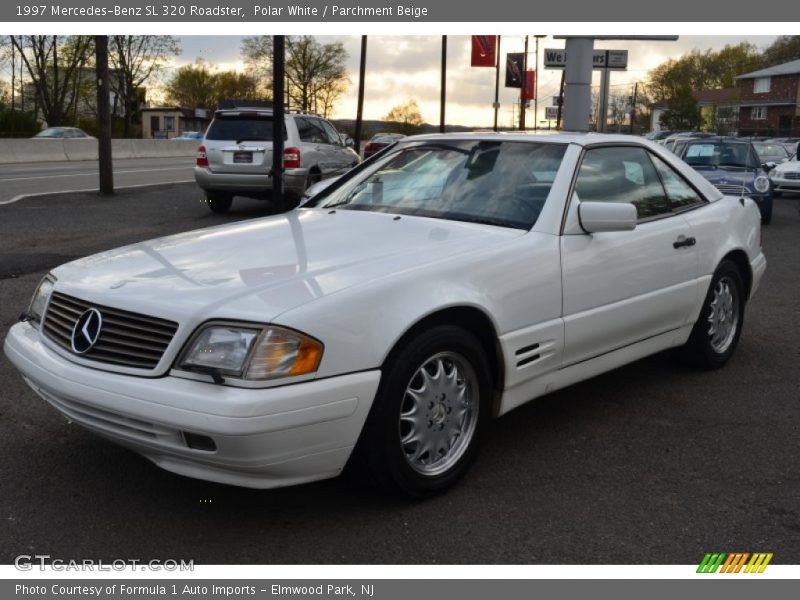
point(504, 183)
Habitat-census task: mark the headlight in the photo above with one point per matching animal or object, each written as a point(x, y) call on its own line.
point(773, 173)
point(761, 184)
point(252, 352)
point(40, 298)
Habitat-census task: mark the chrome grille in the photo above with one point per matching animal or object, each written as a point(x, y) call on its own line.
point(731, 190)
point(791, 175)
point(126, 338)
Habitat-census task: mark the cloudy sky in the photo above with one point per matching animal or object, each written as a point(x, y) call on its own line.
point(406, 67)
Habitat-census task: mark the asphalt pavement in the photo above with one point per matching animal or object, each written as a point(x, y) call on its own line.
point(24, 179)
point(653, 463)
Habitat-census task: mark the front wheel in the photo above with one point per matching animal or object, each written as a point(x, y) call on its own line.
point(716, 333)
point(425, 424)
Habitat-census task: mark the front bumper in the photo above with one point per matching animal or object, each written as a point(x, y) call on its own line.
point(786, 185)
point(265, 437)
point(294, 181)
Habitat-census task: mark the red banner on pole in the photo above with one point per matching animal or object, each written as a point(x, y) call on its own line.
point(484, 48)
point(530, 85)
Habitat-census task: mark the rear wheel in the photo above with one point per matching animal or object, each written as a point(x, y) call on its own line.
point(219, 203)
point(716, 333)
point(425, 424)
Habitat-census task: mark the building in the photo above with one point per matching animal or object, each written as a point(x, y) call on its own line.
point(165, 122)
point(719, 109)
point(769, 100)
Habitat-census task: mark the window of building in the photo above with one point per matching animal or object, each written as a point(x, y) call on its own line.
point(169, 123)
point(759, 113)
point(761, 85)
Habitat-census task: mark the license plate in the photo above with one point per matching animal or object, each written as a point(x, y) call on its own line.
point(242, 157)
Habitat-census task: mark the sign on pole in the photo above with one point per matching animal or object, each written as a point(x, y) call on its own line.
point(530, 85)
point(484, 48)
point(615, 60)
point(551, 113)
point(514, 67)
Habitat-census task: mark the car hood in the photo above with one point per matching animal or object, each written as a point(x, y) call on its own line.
point(791, 166)
point(727, 175)
point(257, 269)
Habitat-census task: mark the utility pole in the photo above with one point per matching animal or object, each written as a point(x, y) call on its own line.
point(278, 120)
point(536, 88)
point(444, 83)
point(13, 75)
point(522, 88)
point(105, 164)
point(560, 100)
point(633, 105)
point(360, 110)
point(497, 83)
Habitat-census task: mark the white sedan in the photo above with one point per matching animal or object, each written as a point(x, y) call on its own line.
point(388, 319)
point(785, 176)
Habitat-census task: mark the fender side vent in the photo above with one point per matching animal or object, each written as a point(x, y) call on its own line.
point(528, 360)
point(527, 349)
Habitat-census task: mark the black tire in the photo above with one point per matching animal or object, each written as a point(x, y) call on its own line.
point(380, 458)
point(700, 350)
point(219, 203)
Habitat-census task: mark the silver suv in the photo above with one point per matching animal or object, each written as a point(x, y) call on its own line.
point(235, 158)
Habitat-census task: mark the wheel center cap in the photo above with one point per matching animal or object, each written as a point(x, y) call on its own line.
point(438, 412)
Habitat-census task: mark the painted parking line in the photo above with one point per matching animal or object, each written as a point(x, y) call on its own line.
point(56, 176)
point(93, 189)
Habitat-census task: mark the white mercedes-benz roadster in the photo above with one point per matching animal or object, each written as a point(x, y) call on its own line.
point(444, 282)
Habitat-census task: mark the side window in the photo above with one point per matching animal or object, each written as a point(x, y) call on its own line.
point(681, 195)
point(304, 130)
point(623, 174)
point(330, 132)
point(679, 146)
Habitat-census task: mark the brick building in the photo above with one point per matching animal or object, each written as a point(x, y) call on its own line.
point(769, 100)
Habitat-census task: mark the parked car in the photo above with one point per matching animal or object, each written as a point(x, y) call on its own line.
point(676, 141)
point(235, 158)
point(789, 144)
point(58, 133)
point(384, 323)
point(380, 141)
point(771, 152)
point(785, 177)
point(733, 166)
point(658, 136)
point(189, 135)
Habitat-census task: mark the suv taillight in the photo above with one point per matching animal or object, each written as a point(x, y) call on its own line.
point(202, 158)
point(291, 158)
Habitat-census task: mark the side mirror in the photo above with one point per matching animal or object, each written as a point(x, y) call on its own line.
point(596, 217)
point(349, 142)
point(768, 166)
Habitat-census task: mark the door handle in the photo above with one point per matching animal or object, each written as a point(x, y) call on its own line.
point(683, 242)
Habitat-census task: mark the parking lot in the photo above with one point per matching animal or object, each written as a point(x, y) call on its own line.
point(651, 463)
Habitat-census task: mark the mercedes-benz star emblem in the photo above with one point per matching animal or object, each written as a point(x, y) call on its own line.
point(86, 331)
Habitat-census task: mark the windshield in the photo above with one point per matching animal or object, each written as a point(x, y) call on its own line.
point(51, 132)
point(241, 128)
point(718, 154)
point(496, 183)
point(772, 152)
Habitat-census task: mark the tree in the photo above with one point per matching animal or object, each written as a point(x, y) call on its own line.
point(682, 113)
point(197, 86)
point(135, 59)
point(407, 115)
point(315, 73)
point(784, 49)
point(702, 70)
point(193, 86)
point(57, 68)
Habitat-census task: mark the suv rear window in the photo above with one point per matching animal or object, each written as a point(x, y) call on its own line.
point(240, 127)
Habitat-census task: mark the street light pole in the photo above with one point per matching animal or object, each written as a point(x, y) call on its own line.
point(536, 87)
point(522, 89)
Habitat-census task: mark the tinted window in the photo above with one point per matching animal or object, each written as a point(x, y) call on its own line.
point(498, 183)
point(623, 174)
point(331, 133)
point(241, 128)
point(681, 195)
